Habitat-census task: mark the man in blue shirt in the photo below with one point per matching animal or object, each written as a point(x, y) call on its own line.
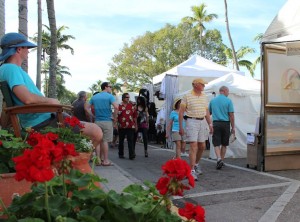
point(105, 119)
point(222, 111)
point(14, 51)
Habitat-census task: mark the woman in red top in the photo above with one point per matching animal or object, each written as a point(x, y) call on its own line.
point(127, 125)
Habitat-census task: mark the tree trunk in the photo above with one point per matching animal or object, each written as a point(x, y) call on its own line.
point(53, 49)
point(39, 47)
point(23, 25)
point(230, 39)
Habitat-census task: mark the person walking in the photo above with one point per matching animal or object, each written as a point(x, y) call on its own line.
point(195, 105)
point(173, 127)
point(222, 111)
point(105, 119)
point(142, 122)
point(14, 51)
point(127, 125)
point(80, 108)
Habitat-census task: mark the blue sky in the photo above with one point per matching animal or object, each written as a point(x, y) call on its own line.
point(102, 27)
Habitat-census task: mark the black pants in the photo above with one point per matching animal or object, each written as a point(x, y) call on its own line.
point(144, 132)
point(129, 133)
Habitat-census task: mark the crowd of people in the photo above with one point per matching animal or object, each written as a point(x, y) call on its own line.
point(191, 120)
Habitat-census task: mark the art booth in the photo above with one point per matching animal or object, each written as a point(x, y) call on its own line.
point(280, 125)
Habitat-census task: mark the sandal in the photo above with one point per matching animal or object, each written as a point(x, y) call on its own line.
point(107, 164)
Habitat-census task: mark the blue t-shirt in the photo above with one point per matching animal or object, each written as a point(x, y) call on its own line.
point(220, 107)
point(14, 75)
point(175, 117)
point(102, 103)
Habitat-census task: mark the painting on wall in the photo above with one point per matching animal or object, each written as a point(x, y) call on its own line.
point(282, 79)
point(282, 132)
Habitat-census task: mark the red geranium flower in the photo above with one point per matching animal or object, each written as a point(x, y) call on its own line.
point(73, 122)
point(191, 211)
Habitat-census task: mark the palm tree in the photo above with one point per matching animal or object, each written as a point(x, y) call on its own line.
point(60, 72)
point(53, 49)
point(257, 38)
point(200, 17)
point(23, 25)
point(39, 46)
point(96, 87)
point(115, 86)
point(61, 41)
point(234, 56)
point(241, 52)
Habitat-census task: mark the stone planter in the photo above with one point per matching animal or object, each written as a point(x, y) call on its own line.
point(9, 188)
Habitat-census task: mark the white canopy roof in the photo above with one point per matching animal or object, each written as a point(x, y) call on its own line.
point(197, 66)
point(237, 84)
point(286, 25)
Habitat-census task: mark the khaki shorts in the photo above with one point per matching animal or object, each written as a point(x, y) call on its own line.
point(176, 136)
point(107, 129)
point(196, 130)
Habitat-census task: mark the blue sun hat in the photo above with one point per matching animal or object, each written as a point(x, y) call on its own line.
point(10, 42)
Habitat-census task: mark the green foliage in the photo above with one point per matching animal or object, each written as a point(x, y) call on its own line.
point(10, 147)
point(153, 53)
point(87, 202)
point(67, 135)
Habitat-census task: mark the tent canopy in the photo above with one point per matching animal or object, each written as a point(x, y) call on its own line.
point(197, 66)
point(286, 25)
point(237, 84)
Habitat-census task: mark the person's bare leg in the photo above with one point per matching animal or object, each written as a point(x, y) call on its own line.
point(201, 147)
point(218, 152)
point(178, 149)
point(104, 152)
point(94, 132)
point(183, 146)
point(223, 152)
point(192, 154)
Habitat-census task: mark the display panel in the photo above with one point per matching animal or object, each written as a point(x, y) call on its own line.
point(282, 75)
point(282, 132)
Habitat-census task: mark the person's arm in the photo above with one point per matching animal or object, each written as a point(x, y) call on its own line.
point(87, 109)
point(169, 127)
point(27, 97)
point(231, 117)
point(208, 120)
point(182, 109)
point(115, 113)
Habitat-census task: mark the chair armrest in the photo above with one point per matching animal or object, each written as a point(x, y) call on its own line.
point(37, 108)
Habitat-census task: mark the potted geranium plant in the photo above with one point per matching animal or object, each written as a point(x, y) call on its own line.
point(64, 194)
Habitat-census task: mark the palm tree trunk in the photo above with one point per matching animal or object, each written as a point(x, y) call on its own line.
point(23, 25)
point(39, 47)
point(53, 49)
point(230, 39)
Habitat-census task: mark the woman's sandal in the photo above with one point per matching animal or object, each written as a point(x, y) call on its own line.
point(107, 164)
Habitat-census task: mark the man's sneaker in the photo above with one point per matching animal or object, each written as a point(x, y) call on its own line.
point(184, 154)
point(194, 174)
point(198, 169)
point(220, 164)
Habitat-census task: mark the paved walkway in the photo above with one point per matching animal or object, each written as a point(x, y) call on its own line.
point(234, 193)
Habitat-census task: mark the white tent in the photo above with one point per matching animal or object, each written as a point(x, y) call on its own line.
point(196, 66)
point(286, 25)
point(245, 94)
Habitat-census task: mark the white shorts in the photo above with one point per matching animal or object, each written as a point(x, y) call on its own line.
point(196, 130)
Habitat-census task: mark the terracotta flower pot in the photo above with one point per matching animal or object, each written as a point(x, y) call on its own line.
point(81, 163)
point(9, 187)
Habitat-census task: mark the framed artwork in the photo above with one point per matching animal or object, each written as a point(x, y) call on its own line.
point(282, 132)
point(282, 75)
